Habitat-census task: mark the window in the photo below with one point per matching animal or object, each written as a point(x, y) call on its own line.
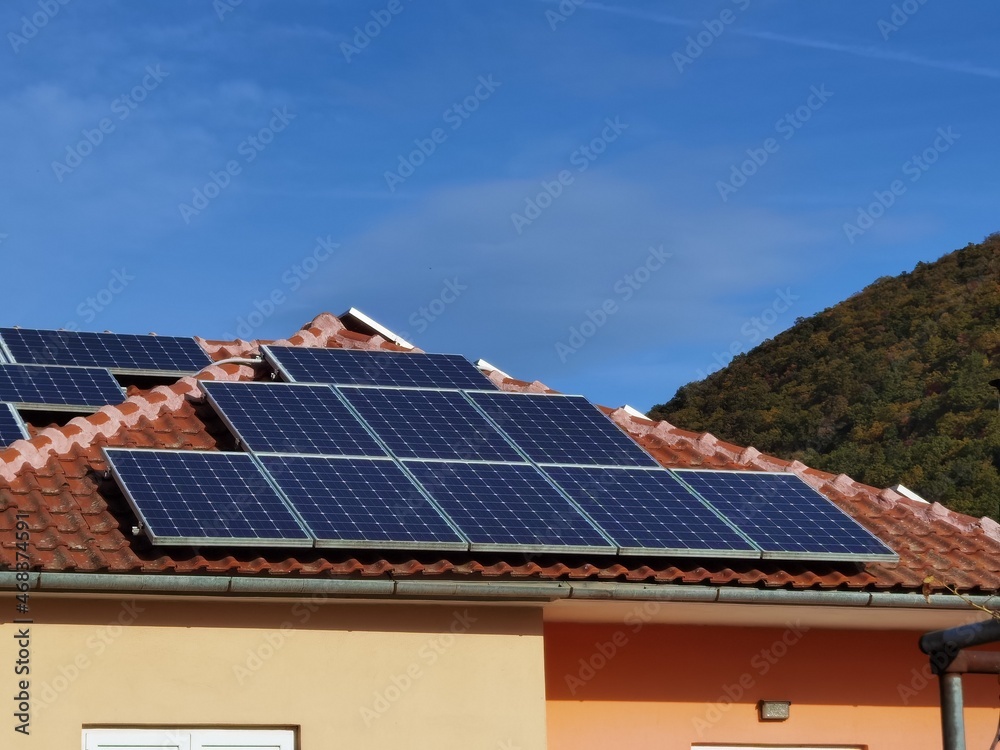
point(188, 739)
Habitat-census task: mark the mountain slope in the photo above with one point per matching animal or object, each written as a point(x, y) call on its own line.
point(889, 386)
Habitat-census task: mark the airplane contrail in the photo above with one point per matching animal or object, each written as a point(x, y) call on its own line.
point(872, 53)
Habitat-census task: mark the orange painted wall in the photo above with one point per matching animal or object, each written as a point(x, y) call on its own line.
point(666, 687)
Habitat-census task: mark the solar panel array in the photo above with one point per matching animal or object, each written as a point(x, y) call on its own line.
point(291, 419)
point(361, 502)
point(351, 367)
point(562, 430)
point(117, 352)
point(192, 497)
point(508, 506)
point(34, 386)
point(11, 425)
point(784, 516)
point(397, 464)
point(649, 511)
point(430, 424)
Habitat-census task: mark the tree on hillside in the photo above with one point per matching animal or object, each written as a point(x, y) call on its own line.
point(890, 386)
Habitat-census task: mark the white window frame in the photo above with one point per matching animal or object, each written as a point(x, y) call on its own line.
point(189, 739)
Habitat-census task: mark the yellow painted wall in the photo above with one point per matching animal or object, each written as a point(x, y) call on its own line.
point(349, 675)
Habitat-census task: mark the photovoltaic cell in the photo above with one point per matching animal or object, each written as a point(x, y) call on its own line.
point(649, 511)
point(507, 507)
point(194, 497)
point(352, 367)
point(786, 517)
point(11, 425)
point(561, 430)
point(280, 418)
point(361, 503)
point(430, 424)
point(115, 351)
point(79, 387)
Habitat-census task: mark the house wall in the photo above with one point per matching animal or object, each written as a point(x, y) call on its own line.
point(641, 685)
point(348, 675)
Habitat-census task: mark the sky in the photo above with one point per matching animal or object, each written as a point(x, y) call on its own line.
point(610, 197)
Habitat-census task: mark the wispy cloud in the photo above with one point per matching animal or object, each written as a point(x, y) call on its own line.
point(873, 53)
point(856, 50)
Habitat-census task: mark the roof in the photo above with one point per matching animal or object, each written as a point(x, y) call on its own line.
point(79, 524)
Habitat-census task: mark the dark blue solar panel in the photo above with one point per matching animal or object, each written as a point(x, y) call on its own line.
point(561, 430)
point(649, 511)
point(11, 425)
point(507, 506)
point(192, 497)
point(784, 516)
point(430, 424)
point(361, 502)
point(115, 351)
point(279, 418)
point(83, 387)
point(352, 367)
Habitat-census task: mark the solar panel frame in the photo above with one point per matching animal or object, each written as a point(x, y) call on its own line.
point(338, 414)
point(638, 492)
point(420, 504)
point(470, 513)
point(19, 384)
point(12, 427)
point(375, 368)
point(124, 353)
point(545, 445)
point(754, 528)
point(257, 484)
point(429, 423)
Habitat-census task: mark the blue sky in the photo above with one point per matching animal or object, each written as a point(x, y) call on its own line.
point(609, 197)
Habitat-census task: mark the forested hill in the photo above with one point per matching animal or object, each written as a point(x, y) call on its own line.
point(890, 386)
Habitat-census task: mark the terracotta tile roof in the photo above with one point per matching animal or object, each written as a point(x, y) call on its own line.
point(79, 521)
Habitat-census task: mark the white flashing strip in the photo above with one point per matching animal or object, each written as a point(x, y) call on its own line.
point(907, 492)
point(634, 412)
point(380, 329)
point(482, 364)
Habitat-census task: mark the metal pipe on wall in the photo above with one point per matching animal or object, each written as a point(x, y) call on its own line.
point(952, 718)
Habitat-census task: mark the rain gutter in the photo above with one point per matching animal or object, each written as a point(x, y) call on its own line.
point(447, 589)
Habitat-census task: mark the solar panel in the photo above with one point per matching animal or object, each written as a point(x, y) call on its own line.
point(118, 352)
point(648, 511)
point(508, 507)
point(282, 418)
point(786, 517)
point(11, 425)
point(430, 424)
point(82, 388)
point(361, 502)
point(353, 367)
point(202, 497)
point(561, 430)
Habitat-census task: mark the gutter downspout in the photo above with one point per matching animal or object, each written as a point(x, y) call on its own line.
point(949, 662)
point(952, 712)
